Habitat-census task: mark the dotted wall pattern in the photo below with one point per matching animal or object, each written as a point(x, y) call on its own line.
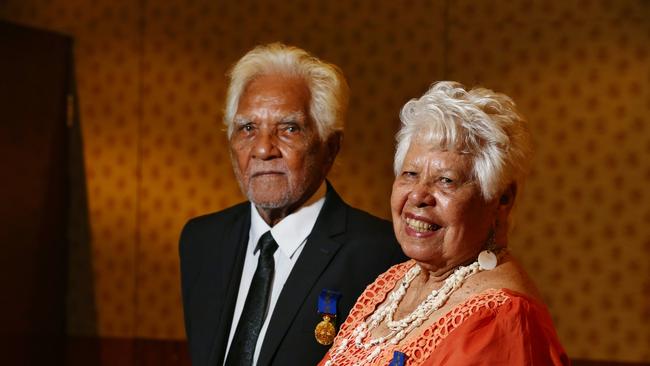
point(151, 80)
point(579, 72)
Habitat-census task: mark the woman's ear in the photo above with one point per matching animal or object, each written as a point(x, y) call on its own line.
point(507, 199)
point(502, 225)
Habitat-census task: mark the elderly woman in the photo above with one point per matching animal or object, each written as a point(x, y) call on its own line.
point(462, 299)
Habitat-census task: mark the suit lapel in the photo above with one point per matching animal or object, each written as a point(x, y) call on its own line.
point(322, 244)
point(231, 256)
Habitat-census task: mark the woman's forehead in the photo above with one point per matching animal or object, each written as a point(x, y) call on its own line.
point(422, 154)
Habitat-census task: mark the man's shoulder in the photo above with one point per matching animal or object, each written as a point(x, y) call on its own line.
point(359, 225)
point(202, 231)
point(363, 227)
point(363, 218)
point(223, 216)
point(212, 223)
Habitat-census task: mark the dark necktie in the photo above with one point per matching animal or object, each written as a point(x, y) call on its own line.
point(252, 317)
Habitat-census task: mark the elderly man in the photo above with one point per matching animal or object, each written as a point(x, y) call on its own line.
point(265, 281)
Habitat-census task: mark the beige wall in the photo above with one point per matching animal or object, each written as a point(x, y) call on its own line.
point(151, 87)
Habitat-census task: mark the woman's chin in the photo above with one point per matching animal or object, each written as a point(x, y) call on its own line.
point(424, 256)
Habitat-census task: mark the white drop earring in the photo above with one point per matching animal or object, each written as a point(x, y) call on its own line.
point(487, 258)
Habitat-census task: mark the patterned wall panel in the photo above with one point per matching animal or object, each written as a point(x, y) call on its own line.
point(151, 84)
point(579, 72)
point(185, 166)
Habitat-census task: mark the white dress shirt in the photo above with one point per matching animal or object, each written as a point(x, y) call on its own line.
point(290, 234)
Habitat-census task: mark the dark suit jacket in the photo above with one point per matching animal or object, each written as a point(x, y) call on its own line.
point(345, 251)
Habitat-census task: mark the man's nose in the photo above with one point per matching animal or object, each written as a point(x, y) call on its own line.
point(421, 196)
point(265, 147)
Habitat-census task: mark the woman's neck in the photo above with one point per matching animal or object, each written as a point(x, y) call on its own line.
point(433, 275)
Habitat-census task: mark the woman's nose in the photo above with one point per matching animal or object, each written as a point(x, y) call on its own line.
point(421, 196)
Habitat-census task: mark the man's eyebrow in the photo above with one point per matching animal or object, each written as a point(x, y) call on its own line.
point(293, 117)
point(241, 120)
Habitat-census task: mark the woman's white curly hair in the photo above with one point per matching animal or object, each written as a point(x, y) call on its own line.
point(479, 122)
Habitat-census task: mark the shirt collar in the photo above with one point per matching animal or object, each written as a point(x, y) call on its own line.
point(291, 231)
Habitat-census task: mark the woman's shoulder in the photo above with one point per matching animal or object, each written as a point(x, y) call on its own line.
point(499, 326)
point(508, 275)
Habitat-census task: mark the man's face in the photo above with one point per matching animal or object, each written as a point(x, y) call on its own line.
point(278, 157)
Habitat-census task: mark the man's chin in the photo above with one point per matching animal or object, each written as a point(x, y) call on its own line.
point(268, 201)
point(269, 205)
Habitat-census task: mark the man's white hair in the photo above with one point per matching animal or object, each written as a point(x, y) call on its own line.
point(327, 85)
point(479, 122)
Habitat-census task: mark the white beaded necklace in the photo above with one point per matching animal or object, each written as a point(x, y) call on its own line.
point(402, 327)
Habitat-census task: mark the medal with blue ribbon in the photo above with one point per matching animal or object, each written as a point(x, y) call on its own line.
point(399, 359)
point(326, 330)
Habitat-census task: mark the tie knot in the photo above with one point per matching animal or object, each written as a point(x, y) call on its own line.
point(267, 244)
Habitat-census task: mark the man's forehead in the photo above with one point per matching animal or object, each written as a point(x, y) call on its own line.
point(289, 94)
point(276, 81)
point(290, 117)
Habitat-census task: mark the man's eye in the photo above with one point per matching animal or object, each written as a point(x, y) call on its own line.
point(409, 174)
point(446, 180)
point(291, 128)
point(247, 127)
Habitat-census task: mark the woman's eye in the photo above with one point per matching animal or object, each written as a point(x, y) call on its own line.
point(247, 127)
point(446, 180)
point(409, 174)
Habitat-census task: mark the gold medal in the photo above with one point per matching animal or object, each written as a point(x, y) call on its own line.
point(325, 331)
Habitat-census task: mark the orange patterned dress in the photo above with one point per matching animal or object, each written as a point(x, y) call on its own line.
point(495, 327)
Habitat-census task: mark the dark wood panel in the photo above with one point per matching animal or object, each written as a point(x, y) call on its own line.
point(34, 74)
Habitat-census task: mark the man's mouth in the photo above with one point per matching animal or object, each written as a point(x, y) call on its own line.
point(421, 226)
point(266, 173)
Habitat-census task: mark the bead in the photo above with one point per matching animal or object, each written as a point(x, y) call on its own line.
point(402, 327)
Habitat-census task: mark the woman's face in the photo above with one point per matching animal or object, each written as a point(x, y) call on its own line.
point(439, 215)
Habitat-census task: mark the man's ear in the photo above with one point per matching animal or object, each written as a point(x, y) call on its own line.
point(334, 142)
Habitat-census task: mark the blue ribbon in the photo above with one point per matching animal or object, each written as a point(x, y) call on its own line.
point(399, 359)
point(327, 301)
